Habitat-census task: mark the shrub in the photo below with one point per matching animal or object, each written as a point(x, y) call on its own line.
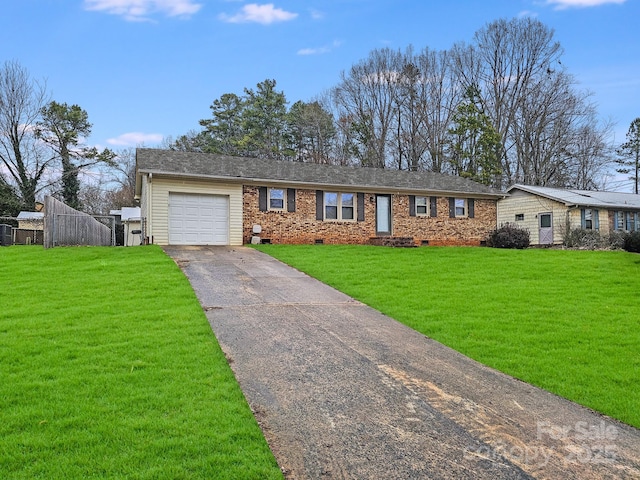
point(509, 236)
point(632, 242)
point(585, 239)
point(617, 239)
point(593, 240)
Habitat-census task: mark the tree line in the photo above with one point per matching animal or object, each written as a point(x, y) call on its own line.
point(502, 109)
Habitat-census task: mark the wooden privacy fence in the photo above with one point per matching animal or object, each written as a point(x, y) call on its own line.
point(64, 225)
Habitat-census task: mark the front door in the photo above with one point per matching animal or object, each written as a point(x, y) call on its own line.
point(383, 215)
point(545, 230)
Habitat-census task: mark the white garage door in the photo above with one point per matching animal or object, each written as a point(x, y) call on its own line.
point(198, 219)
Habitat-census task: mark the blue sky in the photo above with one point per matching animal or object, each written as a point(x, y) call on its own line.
point(147, 69)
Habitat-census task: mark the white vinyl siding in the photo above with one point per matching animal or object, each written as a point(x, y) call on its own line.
point(159, 205)
point(530, 206)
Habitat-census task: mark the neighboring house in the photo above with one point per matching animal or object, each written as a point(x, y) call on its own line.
point(205, 199)
point(548, 212)
point(30, 220)
point(129, 218)
point(30, 229)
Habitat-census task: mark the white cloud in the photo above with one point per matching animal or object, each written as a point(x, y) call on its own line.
point(134, 139)
point(317, 14)
point(140, 10)
point(564, 4)
point(313, 51)
point(254, 13)
point(527, 13)
point(319, 50)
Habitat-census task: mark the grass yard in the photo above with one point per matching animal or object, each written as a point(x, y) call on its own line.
point(109, 369)
point(567, 321)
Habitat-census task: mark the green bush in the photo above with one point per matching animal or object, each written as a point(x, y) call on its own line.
point(509, 236)
point(632, 242)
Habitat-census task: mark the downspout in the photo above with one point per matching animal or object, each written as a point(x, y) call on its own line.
point(149, 235)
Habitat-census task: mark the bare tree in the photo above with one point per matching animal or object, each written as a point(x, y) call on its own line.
point(507, 57)
point(21, 155)
point(94, 199)
point(366, 96)
point(440, 96)
point(410, 143)
point(591, 153)
point(124, 178)
point(533, 103)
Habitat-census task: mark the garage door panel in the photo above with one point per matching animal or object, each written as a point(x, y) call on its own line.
point(197, 219)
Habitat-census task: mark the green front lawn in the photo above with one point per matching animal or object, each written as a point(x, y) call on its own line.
point(567, 321)
point(109, 369)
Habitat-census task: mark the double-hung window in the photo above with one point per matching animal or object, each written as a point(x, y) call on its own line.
point(588, 219)
point(276, 198)
point(339, 206)
point(628, 222)
point(461, 207)
point(422, 206)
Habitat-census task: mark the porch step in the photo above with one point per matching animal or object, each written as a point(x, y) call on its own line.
point(406, 242)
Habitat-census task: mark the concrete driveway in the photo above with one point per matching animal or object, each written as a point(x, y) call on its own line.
point(342, 391)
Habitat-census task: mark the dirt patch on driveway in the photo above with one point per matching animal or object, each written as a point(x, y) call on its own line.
point(342, 391)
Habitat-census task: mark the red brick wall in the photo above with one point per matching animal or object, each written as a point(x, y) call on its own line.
point(301, 226)
point(442, 230)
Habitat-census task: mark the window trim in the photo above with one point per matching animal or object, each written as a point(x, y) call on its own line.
point(339, 207)
point(284, 199)
point(465, 207)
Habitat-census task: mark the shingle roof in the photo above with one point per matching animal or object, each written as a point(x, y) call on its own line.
point(584, 198)
point(295, 173)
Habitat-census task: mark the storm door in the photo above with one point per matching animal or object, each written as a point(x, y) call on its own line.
point(383, 215)
point(545, 230)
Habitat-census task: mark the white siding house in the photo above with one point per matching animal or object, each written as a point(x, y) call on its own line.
point(548, 212)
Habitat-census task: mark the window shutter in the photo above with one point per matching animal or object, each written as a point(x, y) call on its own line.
point(471, 206)
point(583, 221)
point(636, 221)
point(433, 206)
point(319, 205)
point(452, 207)
point(291, 199)
point(360, 201)
point(412, 205)
point(262, 199)
point(596, 219)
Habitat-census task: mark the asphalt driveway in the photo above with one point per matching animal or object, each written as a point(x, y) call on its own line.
point(342, 391)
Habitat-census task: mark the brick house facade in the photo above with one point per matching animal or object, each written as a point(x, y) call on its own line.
point(190, 198)
point(302, 225)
